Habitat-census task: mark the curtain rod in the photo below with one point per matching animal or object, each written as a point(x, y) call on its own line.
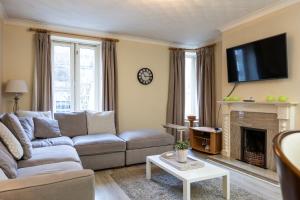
point(185, 49)
point(71, 34)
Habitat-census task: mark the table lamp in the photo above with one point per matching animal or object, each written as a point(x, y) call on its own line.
point(17, 87)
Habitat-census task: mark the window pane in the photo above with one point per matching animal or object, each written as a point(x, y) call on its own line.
point(87, 79)
point(62, 81)
point(76, 77)
point(191, 105)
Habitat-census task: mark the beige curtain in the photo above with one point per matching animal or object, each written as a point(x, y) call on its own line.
point(42, 85)
point(175, 106)
point(206, 86)
point(109, 64)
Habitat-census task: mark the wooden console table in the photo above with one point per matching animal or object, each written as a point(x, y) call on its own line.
point(206, 139)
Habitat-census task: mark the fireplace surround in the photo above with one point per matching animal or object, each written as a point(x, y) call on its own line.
point(272, 117)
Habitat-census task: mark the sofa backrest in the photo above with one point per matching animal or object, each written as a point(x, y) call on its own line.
point(72, 124)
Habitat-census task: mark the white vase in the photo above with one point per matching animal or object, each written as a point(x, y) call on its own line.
point(181, 155)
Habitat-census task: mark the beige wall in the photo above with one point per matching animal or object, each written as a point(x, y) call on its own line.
point(18, 62)
point(285, 20)
point(142, 106)
point(139, 106)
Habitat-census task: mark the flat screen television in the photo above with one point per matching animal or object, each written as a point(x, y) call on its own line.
point(259, 60)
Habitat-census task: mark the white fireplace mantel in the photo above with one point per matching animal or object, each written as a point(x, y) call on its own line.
point(285, 114)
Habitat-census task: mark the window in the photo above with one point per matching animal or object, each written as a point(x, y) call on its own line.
point(76, 76)
point(191, 104)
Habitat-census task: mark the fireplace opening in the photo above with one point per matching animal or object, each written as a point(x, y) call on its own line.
point(253, 146)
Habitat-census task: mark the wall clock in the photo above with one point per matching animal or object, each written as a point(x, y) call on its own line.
point(145, 76)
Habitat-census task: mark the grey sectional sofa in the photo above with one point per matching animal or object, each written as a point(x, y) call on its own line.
point(50, 174)
point(60, 167)
point(107, 150)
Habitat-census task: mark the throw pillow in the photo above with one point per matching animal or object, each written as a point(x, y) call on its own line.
point(23, 113)
point(46, 128)
point(12, 122)
point(28, 126)
point(11, 142)
point(7, 162)
point(101, 122)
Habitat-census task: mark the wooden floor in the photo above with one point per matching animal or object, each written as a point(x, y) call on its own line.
point(108, 189)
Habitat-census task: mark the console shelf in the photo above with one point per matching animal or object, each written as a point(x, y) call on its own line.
point(206, 139)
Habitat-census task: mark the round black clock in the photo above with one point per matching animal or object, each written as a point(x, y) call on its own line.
point(145, 76)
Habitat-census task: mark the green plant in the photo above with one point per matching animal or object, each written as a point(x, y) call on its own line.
point(181, 145)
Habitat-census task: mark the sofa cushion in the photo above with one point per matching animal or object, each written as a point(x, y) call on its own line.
point(12, 122)
point(46, 128)
point(52, 154)
point(31, 114)
point(28, 126)
point(7, 162)
point(98, 144)
point(49, 168)
point(11, 142)
point(72, 124)
point(101, 122)
point(64, 140)
point(146, 138)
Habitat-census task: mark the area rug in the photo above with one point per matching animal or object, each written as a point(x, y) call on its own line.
point(164, 186)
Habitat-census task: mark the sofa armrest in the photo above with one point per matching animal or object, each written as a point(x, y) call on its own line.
point(71, 185)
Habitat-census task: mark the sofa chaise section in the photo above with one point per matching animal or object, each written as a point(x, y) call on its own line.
point(142, 143)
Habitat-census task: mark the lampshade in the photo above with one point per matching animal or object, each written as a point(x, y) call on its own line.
point(16, 86)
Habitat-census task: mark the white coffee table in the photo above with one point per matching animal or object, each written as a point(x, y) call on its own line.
point(209, 171)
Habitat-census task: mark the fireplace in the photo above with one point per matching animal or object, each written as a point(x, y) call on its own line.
point(273, 117)
point(253, 146)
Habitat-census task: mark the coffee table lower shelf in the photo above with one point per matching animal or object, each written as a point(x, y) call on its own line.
point(209, 171)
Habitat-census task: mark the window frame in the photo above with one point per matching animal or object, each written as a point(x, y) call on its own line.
point(72, 72)
point(75, 71)
point(98, 79)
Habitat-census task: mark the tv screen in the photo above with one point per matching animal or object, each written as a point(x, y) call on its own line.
point(259, 60)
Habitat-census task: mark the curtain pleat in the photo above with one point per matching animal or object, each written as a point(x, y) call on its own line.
point(205, 70)
point(176, 93)
point(42, 85)
point(109, 64)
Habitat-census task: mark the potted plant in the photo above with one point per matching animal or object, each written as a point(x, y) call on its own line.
point(181, 151)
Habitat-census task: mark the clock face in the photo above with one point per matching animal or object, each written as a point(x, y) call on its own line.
point(145, 76)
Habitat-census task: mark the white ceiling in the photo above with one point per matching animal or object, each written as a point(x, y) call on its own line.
point(188, 22)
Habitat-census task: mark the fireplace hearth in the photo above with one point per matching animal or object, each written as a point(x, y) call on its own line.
point(253, 146)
